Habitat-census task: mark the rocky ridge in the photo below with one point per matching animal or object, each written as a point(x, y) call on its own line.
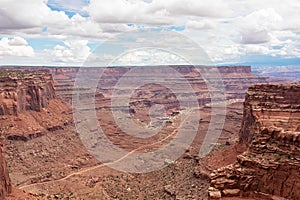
point(270, 168)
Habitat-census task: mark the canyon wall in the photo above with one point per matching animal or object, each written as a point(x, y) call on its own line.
point(271, 130)
point(29, 109)
point(22, 90)
point(5, 185)
point(236, 79)
point(28, 104)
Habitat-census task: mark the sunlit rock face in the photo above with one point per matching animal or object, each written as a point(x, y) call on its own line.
point(271, 129)
point(22, 90)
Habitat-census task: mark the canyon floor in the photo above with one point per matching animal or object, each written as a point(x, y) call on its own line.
point(47, 159)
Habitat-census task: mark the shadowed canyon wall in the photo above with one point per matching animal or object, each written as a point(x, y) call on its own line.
point(5, 185)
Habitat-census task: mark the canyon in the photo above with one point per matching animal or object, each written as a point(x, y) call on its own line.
point(46, 157)
point(271, 165)
point(5, 185)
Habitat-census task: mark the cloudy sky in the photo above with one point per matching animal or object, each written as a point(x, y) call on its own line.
point(68, 32)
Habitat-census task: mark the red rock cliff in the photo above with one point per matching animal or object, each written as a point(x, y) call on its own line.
point(271, 129)
point(22, 90)
point(28, 104)
point(5, 186)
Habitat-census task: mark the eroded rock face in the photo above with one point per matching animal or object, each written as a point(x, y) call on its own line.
point(271, 166)
point(236, 79)
point(28, 104)
point(22, 90)
point(29, 109)
point(5, 185)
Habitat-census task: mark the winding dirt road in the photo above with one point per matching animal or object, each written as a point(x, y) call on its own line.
point(82, 171)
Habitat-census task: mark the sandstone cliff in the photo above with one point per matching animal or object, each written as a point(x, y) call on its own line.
point(22, 90)
point(28, 104)
point(28, 109)
point(5, 185)
point(271, 129)
point(236, 79)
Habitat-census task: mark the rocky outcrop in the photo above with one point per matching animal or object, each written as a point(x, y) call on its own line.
point(22, 90)
point(28, 104)
point(271, 166)
point(5, 185)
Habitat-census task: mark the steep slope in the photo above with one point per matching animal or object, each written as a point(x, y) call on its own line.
point(41, 140)
point(21, 92)
point(271, 129)
point(28, 104)
point(5, 185)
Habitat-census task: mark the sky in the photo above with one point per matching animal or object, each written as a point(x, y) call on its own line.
point(70, 32)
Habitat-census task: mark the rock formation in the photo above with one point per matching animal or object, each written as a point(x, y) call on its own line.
point(236, 79)
point(5, 185)
point(28, 109)
point(271, 130)
point(22, 90)
point(28, 104)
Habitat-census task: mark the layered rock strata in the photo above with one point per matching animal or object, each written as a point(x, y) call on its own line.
point(22, 90)
point(236, 79)
point(270, 168)
point(28, 104)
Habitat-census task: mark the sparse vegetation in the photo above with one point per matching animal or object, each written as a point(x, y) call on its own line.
point(277, 158)
point(12, 73)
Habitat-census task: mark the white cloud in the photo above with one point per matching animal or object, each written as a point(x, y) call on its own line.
point(31, 16)
point(74, 51)
point(203, 8)
point(256, 27)
point(227, 30)
point(155, 12)
point(28, 14)
point(199, 24)
point(16, 46)
point(121, 11)
point(69, 5)
point(256, 49)
point(148, 57)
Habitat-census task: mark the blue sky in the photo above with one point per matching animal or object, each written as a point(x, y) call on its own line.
point(68, 32)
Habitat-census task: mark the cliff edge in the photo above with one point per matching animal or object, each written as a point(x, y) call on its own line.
point(28, 104)
point(28, 109)
point(5, 185)
point(270, 168)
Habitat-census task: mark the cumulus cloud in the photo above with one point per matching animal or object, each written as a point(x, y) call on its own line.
point(199, 24)
point(32, 16)
point(16, 46)
point(154, 12)
point(28, 14)
point(256, 27)
point(203, 8)
point(232, 28)
point(74, 51)
point(121, 11)
point(148, 57)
